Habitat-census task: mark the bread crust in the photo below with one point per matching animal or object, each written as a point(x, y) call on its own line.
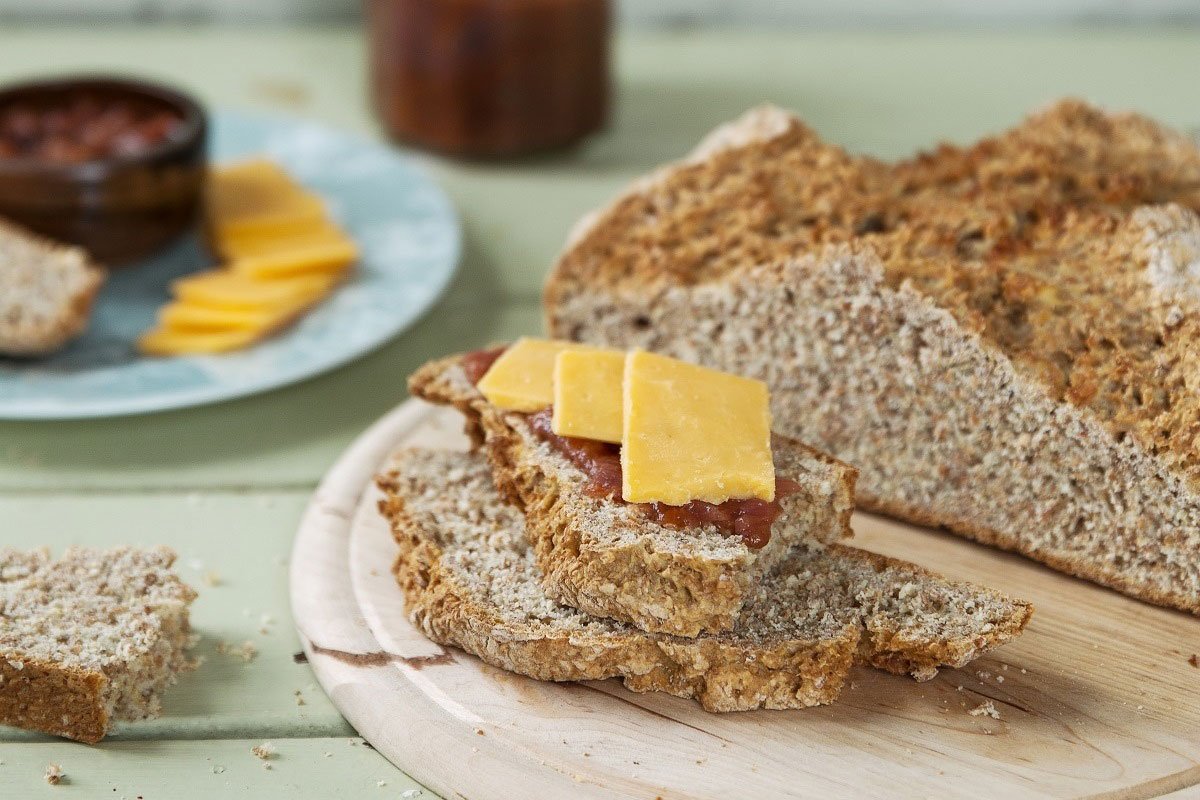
point(58, 700)
point(677, 591)
point(1110, 374)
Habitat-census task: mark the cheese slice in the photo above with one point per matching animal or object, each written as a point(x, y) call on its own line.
point(692, 433)
point(294, 260)
point(182, 316)
point(522, 378)
point(229, 290)
point(302, 233)
point(587, 394)
point(168, 342)
point(279, 223)
point(258, 197)
point(250, 188)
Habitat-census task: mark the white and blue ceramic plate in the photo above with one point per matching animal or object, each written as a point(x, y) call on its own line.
point(406, 229)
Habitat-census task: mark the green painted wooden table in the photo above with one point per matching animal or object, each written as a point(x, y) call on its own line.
point(225, 485)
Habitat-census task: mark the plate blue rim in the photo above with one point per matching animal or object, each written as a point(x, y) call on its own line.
point(320, 362)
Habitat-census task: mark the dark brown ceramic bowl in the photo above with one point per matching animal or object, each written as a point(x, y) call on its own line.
point(120, 207)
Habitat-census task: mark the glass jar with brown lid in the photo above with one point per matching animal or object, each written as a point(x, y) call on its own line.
point(490, 77)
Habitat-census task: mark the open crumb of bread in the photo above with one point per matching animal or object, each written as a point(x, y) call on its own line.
point(90, 639)
point(607, 558)
point(471, 579)
point(46, 292)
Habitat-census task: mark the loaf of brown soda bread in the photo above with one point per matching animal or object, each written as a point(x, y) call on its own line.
point(607, 558)
point(470, 579)
point(1001, 338)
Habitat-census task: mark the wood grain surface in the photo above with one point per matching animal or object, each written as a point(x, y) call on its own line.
point(1097, 699)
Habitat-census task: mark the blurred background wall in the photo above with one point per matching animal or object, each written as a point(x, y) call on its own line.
point(654, 13)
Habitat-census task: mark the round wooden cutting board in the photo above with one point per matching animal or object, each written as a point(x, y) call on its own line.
point(1097, 699)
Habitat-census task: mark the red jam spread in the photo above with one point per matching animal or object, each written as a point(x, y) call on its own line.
point(751, 519)
point(478, 362)
point(83, 126)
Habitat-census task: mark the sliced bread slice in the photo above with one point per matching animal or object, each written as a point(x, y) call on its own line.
point(46, 292)
point(607, 558)
point(471, 579)
point(90, 639)
point(1002, 337)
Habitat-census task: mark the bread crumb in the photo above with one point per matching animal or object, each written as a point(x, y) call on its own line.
point(264, 751)
point(266, 765)
point(218, 770)
point(999, 679)
point(1004, 667)
point(987, 707)
point(262, 629)
point(479, 731)
point(1024, 671)
point(1195, 660)
point(246, 651)
point(267, 619)
point(410, 793)
point(328, 754)
point(299, 699)
point(54, 774)
point(381, 783)
point(211, 579)
point(983, 674)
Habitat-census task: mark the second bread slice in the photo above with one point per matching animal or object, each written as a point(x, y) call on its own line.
point(470, 579)
point(607, 558)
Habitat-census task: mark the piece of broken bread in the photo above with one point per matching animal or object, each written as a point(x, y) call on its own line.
point(90, 639)
point(46, 292)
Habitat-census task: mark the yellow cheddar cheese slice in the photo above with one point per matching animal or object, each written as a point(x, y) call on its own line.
point(692, 433)
point(252, 172)
point(168, 342)
point(181, 316)
point(522, 379)
point(587, 394)
point(229, 290)
point(249, 187)
point(290, 261)
point(301, 233)
point(273, 224)
point(258, 197)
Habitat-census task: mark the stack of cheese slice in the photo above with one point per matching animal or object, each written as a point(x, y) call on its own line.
point(686, 432)
point(281, 255)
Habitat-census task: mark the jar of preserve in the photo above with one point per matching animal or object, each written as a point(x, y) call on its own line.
point(490, 77)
